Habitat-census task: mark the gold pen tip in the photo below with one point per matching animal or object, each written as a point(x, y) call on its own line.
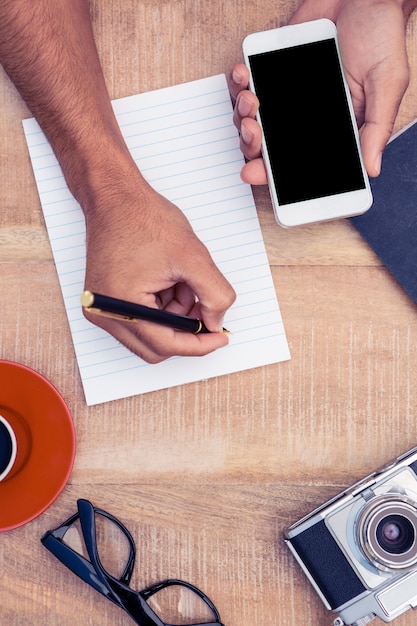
point(87, 299)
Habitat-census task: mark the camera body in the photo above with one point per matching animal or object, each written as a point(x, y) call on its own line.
point(359, 549)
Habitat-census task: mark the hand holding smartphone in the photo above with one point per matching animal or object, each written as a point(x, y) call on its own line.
point(310, 141)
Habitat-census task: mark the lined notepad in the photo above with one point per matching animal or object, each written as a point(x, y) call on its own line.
point(184, 142)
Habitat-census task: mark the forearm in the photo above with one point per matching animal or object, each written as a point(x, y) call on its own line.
point(48, 50)
point(139, 245)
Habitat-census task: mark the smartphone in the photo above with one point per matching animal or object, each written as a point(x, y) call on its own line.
point(310, 142)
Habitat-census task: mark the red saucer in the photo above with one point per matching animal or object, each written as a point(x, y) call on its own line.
point(46, 444)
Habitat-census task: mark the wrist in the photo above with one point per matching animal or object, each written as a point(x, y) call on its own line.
point(97, 173)
point(103, 176)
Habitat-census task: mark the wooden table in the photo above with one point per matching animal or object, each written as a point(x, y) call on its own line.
point(206, 476)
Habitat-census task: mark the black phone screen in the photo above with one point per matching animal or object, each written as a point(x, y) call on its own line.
point(306, 121)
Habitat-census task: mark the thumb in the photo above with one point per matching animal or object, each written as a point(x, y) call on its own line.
point(214, 299)
point(214, 292)
point(373, 141)
point(383, 97)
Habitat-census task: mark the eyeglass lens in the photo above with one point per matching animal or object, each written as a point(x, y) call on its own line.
point(112, 544)
point(178, 605)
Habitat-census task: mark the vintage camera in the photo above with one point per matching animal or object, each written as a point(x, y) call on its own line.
point(359, 550)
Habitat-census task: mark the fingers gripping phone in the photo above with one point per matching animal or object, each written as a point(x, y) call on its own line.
point(310, 138)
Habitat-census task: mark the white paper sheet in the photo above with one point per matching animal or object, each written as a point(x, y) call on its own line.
point(185, 144)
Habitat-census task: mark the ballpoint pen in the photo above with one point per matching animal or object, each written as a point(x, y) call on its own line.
point(129, 312)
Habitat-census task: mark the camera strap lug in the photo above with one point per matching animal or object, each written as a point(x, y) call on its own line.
point(362, 487)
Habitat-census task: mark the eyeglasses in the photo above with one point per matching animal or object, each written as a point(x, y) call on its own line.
point(116, 589)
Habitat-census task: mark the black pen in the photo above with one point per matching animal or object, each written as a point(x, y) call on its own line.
point(130, 312)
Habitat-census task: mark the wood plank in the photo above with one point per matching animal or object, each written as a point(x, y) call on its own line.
point(207, 476)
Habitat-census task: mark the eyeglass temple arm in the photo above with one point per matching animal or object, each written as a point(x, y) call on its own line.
point(126, 598)
point(77, 564)
point(89, 510)
point(88, 527)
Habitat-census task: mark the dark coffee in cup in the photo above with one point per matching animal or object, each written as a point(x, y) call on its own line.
point(8, 448)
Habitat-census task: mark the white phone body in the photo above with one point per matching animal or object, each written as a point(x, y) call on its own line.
point(310, 142)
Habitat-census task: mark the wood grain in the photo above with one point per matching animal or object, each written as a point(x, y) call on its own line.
point(207, 476)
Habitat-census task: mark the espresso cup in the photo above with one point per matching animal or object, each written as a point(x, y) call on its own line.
point(8, 448)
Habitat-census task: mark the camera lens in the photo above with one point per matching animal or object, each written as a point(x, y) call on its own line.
point(395, 534)
point(387, 532)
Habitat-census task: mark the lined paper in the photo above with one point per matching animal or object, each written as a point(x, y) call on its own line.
point(185, 143)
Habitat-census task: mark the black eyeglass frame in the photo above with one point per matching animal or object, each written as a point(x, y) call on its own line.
point(94, 574)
